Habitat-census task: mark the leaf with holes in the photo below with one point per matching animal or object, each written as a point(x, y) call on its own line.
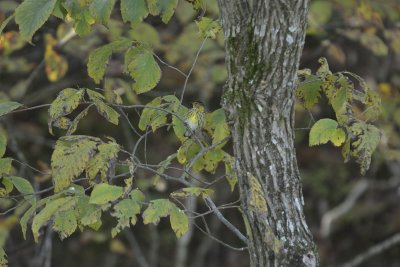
point(309, 91)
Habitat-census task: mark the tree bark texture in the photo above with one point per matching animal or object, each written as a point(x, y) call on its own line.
point(264, 42)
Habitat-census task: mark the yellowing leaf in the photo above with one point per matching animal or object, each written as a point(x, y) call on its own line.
point(133, 10)
point(55, 65)
point(31, 15)
point(193, 191)
point(74, 124)
point(105, 193)
point(326, 130)
point(179, 221)
point(106, 111)
point(208, 28)
point(217, 126)
point(157, 209)
point(70, 158)
point(164, 7)
point(143, 68)
point(102, 161)
point(366, 138)
point(125, 211)
point(65, 223)
point(79, 11)
point(51, 208)
point(230, 172)
point(66, 102)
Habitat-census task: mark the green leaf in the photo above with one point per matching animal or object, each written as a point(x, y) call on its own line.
point(177, 123)
point(65, 223)
point(8, 106)
point(326, 130)
point(4, 24)
point(164, 7)
point(101, 10)
point(133, 11)
point(66, 102)
point(208, 28)
point(45, 214)
point(25, 218)
point(5, 166)
point(31, 15)
point(309, 91)
point(157, 209)
point(125, 212)
point(149, 113)
point(179, 222)
point(366, 139)
point(105, 193)
point(143, 68)
point(3, 142)
point(98, 58)
point(193, 191)
point(70, 158)
point(24, 187)
point(106, 111)
point(79, 11)
point(91, 215)
point(102, 161)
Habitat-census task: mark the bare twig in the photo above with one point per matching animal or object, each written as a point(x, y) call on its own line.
point(373, 251)
point(329, 217)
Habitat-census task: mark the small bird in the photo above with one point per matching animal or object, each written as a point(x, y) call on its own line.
point(195, 119)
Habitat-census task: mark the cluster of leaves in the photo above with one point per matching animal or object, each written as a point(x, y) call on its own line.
point(354, 108)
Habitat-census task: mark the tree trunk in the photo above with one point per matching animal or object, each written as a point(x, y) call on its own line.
point(264, 41)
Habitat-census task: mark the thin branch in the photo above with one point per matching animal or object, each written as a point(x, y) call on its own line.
point(136, 248)
point(192, 68)
point(170, 66)
point(373, 251)
point(221, 217)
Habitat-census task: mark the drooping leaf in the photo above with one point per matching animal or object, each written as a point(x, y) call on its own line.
point(51, 208)
point(31, 15)
point(133, 11)
point(98, 58)
point(25, 219)
point(65, 223)
point(105, 193)
point(157, 209)
point(148, 113)
point(101, 162)
point(366, 139)
point(208, 28)
point(74, 124)
point(70, 158)
point(106, 111)
point(309, 91)
point(165, 8)
point(8, 106)
point(143, 68)
point(179, 221)
point(326, 130)
point(101, 10)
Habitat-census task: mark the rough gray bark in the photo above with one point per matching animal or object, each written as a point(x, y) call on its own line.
point(264, 41)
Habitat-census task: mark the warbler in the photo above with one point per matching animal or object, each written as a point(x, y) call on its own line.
point(195, 119)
